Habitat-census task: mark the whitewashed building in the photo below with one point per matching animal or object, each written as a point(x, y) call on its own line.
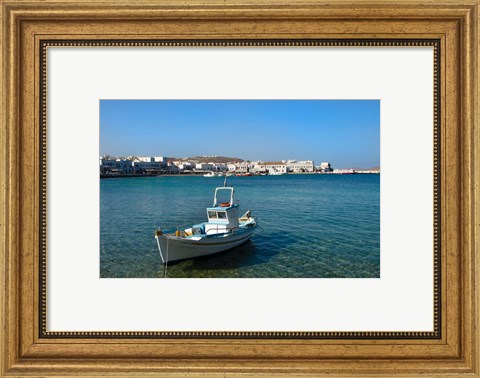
point(300, 166)
point(325, 167)
point(272, 166)
point(204, 167)
point(115, 166)
point(161, 160)
point(245, 166)
point(221, 167)
point(185, 166)
point(172, 168)
point(143, 165)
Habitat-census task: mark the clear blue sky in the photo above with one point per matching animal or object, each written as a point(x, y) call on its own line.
point(345, 133)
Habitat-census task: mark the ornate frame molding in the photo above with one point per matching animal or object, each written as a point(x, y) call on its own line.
point(27, 349)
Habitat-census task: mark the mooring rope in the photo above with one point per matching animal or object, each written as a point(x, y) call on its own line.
point(166, 259)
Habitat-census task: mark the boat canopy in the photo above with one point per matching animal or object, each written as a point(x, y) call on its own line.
point(223, 204)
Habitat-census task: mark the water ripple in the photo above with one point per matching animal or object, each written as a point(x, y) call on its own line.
point(313, 226)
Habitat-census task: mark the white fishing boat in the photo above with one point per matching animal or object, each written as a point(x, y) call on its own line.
point(224, 230)
point(276, 173)
point(214, 174)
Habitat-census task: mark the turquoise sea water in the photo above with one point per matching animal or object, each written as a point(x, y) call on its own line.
point(314, 226)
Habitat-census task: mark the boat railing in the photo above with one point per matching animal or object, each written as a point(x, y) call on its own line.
point(169, 230)
point(227, 229)
point(180, 231)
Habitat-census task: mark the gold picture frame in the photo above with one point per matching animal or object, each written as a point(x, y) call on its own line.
point(28, 349)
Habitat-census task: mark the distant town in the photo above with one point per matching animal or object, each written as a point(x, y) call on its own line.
point(114, 166)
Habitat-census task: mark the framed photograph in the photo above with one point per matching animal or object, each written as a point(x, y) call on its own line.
point(240, 189)
point(215, 177)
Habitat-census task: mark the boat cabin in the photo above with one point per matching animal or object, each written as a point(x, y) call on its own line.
point(222, 216)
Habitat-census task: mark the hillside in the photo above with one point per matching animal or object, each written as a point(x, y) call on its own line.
point(210, 159)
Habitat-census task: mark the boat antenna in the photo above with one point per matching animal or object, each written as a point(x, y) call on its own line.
point(225, 182)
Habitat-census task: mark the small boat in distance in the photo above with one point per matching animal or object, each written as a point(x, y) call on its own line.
point(276, 173)
point(211, 174)
point(224, 230)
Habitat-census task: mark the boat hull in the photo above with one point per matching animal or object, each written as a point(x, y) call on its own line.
point(176, 248)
